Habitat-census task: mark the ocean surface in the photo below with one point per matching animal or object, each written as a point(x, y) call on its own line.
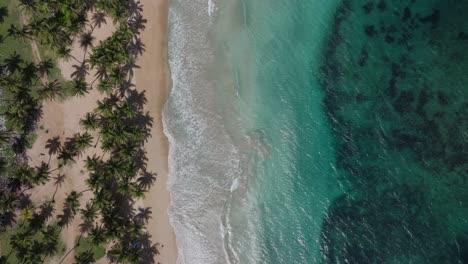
point(319, 131)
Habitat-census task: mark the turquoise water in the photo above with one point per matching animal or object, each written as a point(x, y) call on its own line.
point(292, 179)
point(319, 131)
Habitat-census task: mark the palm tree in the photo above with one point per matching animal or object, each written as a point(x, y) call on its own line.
point(121, 254)
point(27, 213)
point(85, 257)
point(79, 88)
point(92, 163)
point(3, 14)
point(41, 175)
point(23, 173)
point(50, 239)
point(51, 90)
point(90, 121)
point(29, 73)
point(117, 9)
point(117, 76)
point(97, 235)
point(105, 107)
point(13, 62)
point(29, 5)
point(136, 191)
point(72, 201)
point(101, 74)
point(105, 86)
point(64, 52)
point(44, 67)
point(89, 213)
point(82, 141)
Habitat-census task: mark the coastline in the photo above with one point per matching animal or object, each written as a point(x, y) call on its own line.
point(153, 77)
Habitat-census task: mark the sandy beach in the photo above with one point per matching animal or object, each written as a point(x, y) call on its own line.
point(61, 119)
point(153, 77)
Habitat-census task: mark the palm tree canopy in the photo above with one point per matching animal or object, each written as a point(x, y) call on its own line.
point(13, 62)
point(51, 90)
point(85, 257)
point(42, 174)
point(44, 67)
point(72, 201)
point(90, 121)
point(79, 88)
point(3, 13)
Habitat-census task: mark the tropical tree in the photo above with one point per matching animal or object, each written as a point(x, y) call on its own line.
point(50, 239)
point(13, 62)
point(64, 52)
point(41, 175)
point(113, 51)
point(97, 235)
point(51, 90)
point(3, 13)
point(44, 67)
point(85, 257)
point(117, 9)
point(30, 6)
point(82, 141)
point(122, 253)
point(90, 121)
point(92, 163)
point(72, 201)
point(24, 174)
point(89, 213)
point(79, 88)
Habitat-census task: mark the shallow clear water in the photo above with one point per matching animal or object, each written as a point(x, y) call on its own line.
point(318, 131)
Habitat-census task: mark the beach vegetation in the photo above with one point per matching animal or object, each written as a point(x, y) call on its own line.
point(119, 126)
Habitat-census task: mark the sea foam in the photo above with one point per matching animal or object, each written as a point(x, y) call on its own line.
point(203, 160)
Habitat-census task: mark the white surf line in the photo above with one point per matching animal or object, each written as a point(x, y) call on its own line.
point(211, 7)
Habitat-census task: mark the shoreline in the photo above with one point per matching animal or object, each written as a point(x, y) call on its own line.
point(154, 78)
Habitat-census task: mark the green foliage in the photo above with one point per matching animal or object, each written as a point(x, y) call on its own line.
point(113, 51)
point(9, 45)
point(29, 244)
point(122, 128)
point(117, 9)
point(86, 245)
point(55, 22)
